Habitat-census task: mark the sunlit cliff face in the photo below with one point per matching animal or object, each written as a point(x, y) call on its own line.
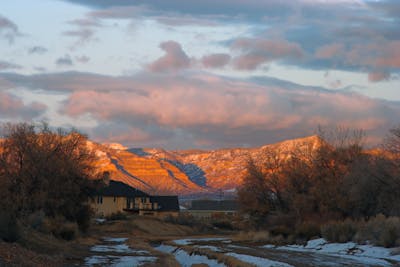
point(193, 171)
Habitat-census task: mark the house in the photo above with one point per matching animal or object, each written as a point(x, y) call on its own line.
point(163, 206)
point(116, 197)
point(119, 197)
point(211, 208)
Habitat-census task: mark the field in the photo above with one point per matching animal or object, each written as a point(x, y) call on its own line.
point(146, 241)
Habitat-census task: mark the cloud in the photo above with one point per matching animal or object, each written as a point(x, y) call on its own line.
point(8, 29)
point(390, 7)
point(248, 9)
point(64, 61)
point(177, 20)
point(358, 36)
point(378, 76)
point(257, 51)
point(118, 12)
point(174, 59)
point(37, 50)
point(4, 65)
point(229, 112)
point(12, 107)
point(82, 59)
point(182, 110)
point(215, 60)
point(329, 51)
point(83, 35)
point(86, 22)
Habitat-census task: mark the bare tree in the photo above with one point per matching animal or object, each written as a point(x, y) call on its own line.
point(47, 170)
point(392, 141)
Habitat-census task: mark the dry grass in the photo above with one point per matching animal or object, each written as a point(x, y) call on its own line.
point(252, 236)
point(16, 255)
point(379, 230)
point(156, 227)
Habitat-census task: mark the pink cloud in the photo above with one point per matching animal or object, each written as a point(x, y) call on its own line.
point(191, 108)
point(215, 60)
point(12, 107)
point(329, 51)
point(389, 55)
point(207, 107)
point(174, 59)
point(378, 76)
point(257, 51)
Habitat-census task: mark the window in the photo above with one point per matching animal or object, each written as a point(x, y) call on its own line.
point(99, 199)
point(128, 203)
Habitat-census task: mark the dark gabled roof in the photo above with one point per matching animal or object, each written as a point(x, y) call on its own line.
point(166, 203)
point(119, 189)
point(217, 205)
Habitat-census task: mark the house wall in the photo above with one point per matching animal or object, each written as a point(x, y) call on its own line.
point(109, 205)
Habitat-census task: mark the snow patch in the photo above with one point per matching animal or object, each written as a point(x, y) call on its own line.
point(189, 241)
point(116, 261)
point(362, 253)
point(257, 261)
point(121, 248)
point(185, 259)
point(212, 248)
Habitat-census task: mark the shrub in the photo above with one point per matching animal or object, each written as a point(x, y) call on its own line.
point(60, 228)
point(261, 236)
point(307, 230)
point(9, 230)
point(381, 231)
point(116, 216)
point(35, 220)
point(340, 231)
point(182, 219)
point(68, 231)
point(281, 230)
point(83, 218)
point(223, 224)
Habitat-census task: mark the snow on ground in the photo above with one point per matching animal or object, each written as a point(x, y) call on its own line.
point(212, 248)
point(117, 261)
point(121, 254)
point(257, 261)
point(187, 260)
point(119, 248)
point(362, 253)
point(189, 241)
point(165, 248)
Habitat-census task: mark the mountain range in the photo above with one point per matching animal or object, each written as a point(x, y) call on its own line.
point(187, 172)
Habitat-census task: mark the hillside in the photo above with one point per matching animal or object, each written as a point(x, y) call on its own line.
point(159, 171)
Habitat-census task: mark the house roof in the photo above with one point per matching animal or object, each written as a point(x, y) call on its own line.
point(217, 205)
point(119, 189)
point(166, 203)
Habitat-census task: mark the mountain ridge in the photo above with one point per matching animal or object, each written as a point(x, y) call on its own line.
point(185, 172)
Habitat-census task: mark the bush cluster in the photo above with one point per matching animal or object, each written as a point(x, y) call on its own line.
point(379, 230)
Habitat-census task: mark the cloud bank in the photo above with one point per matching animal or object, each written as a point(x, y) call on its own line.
point(195, 109)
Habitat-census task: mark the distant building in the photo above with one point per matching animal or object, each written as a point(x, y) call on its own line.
point(210, 208)
point(119, 197)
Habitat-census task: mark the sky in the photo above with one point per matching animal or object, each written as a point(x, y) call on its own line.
point(207, 74)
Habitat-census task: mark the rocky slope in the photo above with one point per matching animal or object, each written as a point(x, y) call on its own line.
point(158, 171)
